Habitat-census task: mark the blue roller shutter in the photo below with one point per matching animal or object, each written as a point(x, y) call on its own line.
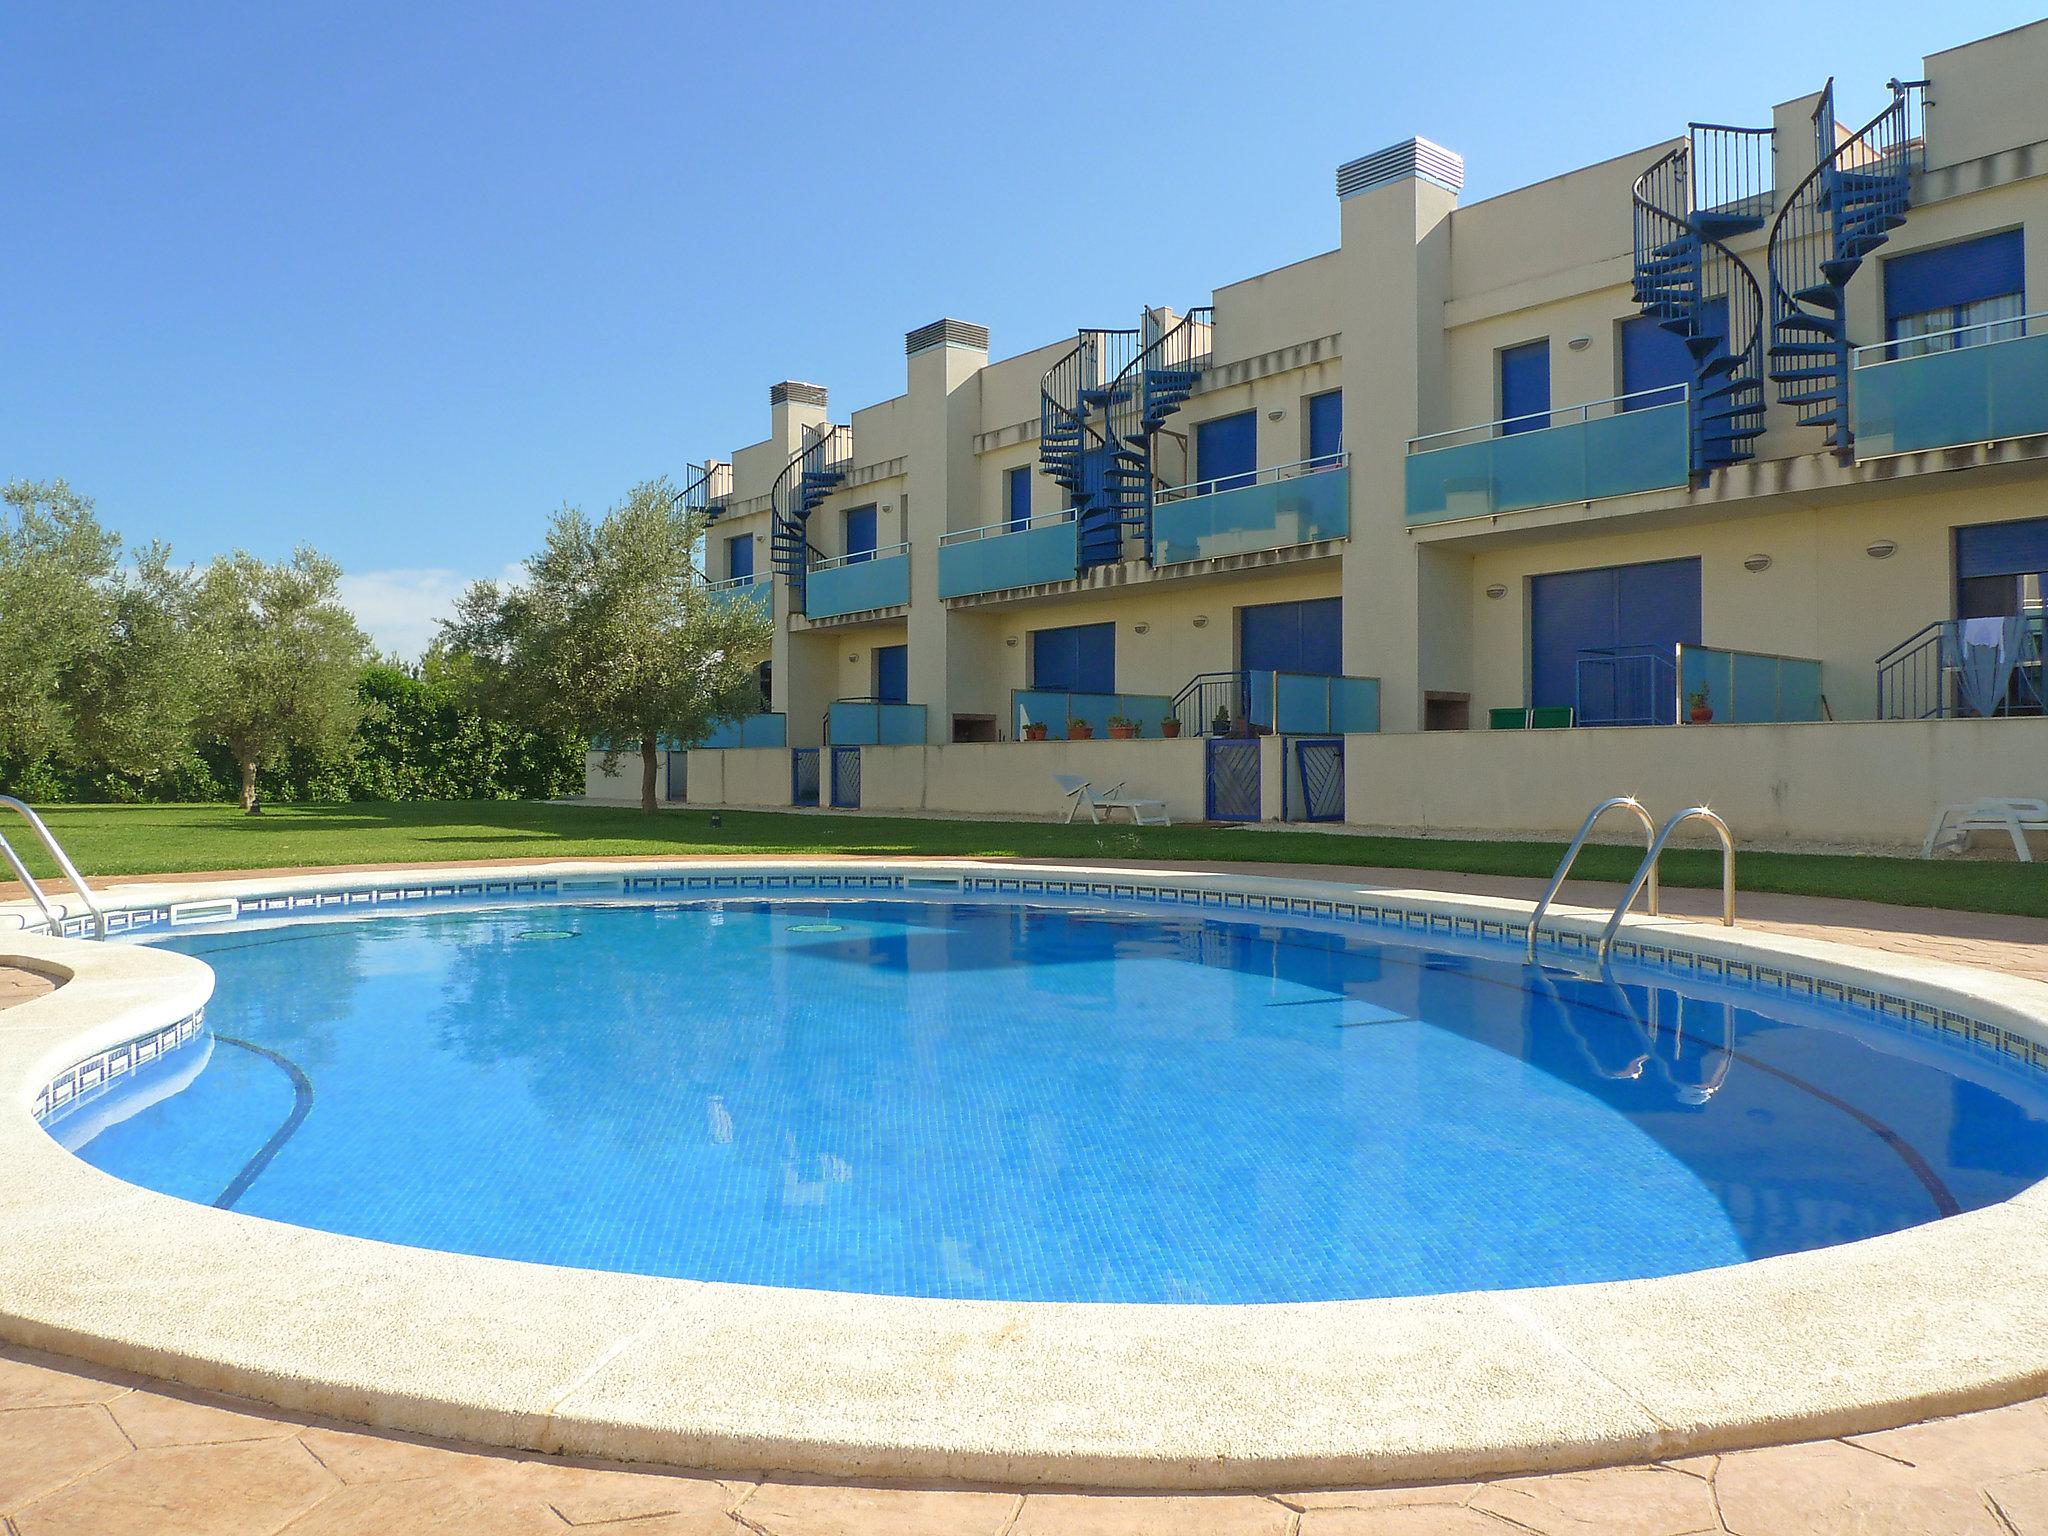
point(1572, 612)
point(1227, 451)
point(1293, 637)
point(1077, 658)
point(1325, 425)
point(1525, 387)
point(739, 557)
point(1018, 496)
point(892, 673)
point(860, 534)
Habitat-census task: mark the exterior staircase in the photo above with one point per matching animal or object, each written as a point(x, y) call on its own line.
point(707, 488)
point(1855, 196)
point(806, 480)
point(1715, 186)
point(1100, 410)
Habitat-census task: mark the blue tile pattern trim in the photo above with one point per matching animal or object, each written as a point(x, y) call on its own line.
point(1906, 1015)
point(80, 1084)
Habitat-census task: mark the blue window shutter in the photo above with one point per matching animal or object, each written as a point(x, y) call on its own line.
point(1076, 658)
point(860, 533)
point(892, 673)
point(1655, 362)
point(1292, 637)
point(739, 557)
point(1950, 275)
point(1227, 451)
point(1572, 612)
point(1525, 386)
point(1325, 425)
point(2002, 549)
point(1019, 497)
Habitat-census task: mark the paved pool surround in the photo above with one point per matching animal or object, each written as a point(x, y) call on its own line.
point(1936, 1319)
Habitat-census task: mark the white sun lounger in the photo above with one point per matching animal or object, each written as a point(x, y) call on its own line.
point(1953, 824)
point(1081, 794)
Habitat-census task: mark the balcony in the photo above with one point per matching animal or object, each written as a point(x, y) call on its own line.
point(1275, 508)
point(1056, 710)
point(1692, 684)
point(975, 560)
point(763, 730)
point(1588, 452)
point(1283, 703)
point(744, 589)
point(856, 583)
point(1951, 389)
point(871, 723)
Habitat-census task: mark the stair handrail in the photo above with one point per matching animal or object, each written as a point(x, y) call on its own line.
point(1571, 854)
point(64, 865)
point(1647, 870)
point(1806, 219)
point(790, 527)
point(1052, 384)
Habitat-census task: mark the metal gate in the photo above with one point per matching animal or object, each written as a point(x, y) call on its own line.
point(1312, 783)
point(677, 790)
point(846, 778)
point(1233, 775)
point(803, 775)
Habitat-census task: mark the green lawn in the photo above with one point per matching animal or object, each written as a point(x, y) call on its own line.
point(161, 839)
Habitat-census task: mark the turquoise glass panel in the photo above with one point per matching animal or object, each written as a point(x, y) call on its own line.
point(758, 592)
point(752, 731)
point(1354, 704)
point(1617, 455)
point(1007, 560)
point(855, 723)
point(1977, 394)
point(1053, 709)
point(878, 583)
point(1745, 688)
point(1274, 515)
point(1302, 703)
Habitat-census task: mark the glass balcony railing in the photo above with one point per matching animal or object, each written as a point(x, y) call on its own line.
point(1693, 684)
point(1974, 384)
point(1281, 507)
point(872, 723)
point(1588, 452)
point(744, 589)
point(1306, 704)
point(854, 583)
point(764, 730)
point(1053, 708)
point(1003, 555)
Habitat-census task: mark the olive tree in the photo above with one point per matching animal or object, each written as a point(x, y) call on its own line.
point(279, 658)
point(55, 563)
point(613, 634)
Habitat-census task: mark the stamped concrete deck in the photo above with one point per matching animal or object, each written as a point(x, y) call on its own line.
point(83, 1450)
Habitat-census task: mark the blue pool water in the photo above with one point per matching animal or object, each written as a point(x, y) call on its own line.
point(960, 1098)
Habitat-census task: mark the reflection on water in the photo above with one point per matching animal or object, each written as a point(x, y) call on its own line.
point(981, 1100)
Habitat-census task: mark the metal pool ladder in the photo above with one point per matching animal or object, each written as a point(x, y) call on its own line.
point(1647, 870)
point(1564, 867)
point(53, 915)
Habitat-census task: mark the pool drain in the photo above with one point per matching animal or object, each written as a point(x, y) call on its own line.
point(548, 933)
point(817, 928)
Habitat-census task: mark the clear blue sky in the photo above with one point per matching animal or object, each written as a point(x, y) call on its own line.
point(398, 280)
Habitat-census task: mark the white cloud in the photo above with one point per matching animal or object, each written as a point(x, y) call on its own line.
point(401, 610)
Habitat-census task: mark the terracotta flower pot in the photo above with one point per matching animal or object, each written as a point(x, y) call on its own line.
point(1122, 732)
point(1702, 714)
point(1169, 728)
point(1080, 730)
point(1034, 733)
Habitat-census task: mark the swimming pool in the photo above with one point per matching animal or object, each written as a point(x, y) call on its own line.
point(987, 1095)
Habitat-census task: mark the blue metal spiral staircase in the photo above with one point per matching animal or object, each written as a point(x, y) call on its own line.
point(1847, 206)
point(707, 488)
point(805, 481)
point(1714, 186)
point(1100, 410)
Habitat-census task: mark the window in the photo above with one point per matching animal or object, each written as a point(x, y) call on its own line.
point(1525, 387)
point(892, 673)
point(1226, 451)
point(739, 557)
point(1325, 427)
point(1656, 365)
point(1293, 637)
point(764, 675)
point(1079, 658)
point(860, 534)
point(1978, 285)
point(1017, 496)
point(2001, 568)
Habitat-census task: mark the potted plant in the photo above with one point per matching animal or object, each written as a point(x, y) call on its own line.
point(1079, 730)
point(1035, 730)
point(1122, 728)
point(1220, 726)
point(1697, 707)
point(1170, 727)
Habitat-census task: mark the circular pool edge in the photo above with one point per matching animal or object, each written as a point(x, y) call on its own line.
point(1940, 1318)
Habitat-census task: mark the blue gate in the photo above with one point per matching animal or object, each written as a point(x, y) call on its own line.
point(1312, 783)
point(846, 778)
point(803, 775)
point(677, 788)
point(1233, 778)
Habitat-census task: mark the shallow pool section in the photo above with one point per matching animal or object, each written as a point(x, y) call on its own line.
point(979, 1098)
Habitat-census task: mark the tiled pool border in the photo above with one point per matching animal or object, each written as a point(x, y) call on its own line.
point(1939, 1318)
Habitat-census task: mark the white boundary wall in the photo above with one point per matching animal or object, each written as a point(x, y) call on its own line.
point(1861, 783)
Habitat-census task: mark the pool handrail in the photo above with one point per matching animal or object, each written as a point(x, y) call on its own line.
point(1564, 866)
point(64, 864)
point(1647, 870)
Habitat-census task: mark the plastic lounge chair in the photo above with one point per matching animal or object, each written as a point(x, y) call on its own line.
point(2015, 817)
point(1081, 794)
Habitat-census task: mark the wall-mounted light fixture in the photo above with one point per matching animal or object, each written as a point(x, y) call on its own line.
point(1496, 591)
point(1883, 549)
point(1010, 641)
point(1141, 629)
point(1757, 563)
point(1201, 621)
point(1580, 343)
point(1276, 415)
point(853, 656)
